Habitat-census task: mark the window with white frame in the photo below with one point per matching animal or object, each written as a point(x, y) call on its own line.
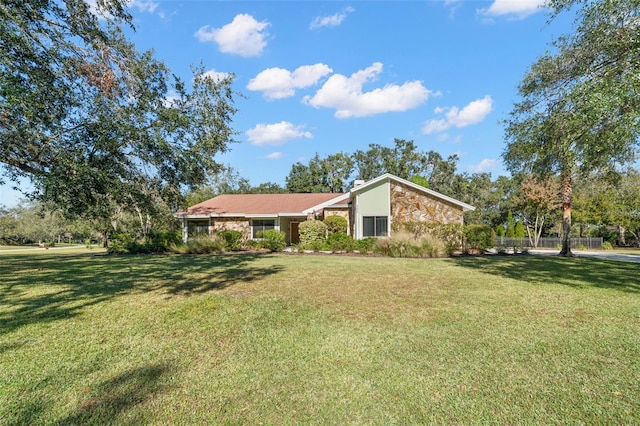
point(258, 225)
point(375, 226)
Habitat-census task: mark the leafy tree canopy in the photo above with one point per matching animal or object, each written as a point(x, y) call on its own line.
point(94, 123)
point(580, 111)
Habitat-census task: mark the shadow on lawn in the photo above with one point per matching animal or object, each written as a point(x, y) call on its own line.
point(107, 402)
point(575, 272)
point(53, 287)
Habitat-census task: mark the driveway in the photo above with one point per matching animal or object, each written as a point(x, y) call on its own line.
point(597, 254)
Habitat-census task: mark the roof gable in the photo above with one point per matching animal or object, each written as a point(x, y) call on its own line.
point(420, 188)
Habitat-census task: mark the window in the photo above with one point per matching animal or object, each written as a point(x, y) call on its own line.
point(374, 226)
point(262, 225)
point(197, 227)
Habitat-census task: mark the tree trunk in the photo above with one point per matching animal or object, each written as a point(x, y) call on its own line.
point(566, 192)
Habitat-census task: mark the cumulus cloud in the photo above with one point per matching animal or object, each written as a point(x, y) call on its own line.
point(274, 155)
point(473, 113)
point(278, 83)
point(215, 75)
point(142, 6)
point(486, 165)
point(345, 94)
point(276, 133)
point(332, 20)
point(244, 36)
point(516, 8)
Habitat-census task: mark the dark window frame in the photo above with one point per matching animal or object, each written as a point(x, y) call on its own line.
point(258, 225)
point(375, 226)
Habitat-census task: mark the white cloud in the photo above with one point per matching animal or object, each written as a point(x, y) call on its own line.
point(144, 5)
point(171, 98)
point(278, 83)
point(346, 96)
point(276, 133)
point(274, 155)
point(244, 36)
point(517, 8)
point(215, 75)
point(332, 20)
point(486, 165)
point(473, 113)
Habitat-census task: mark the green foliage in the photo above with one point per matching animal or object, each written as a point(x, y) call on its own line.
point(479, 238)
point(272, 239)
point(519, 230)
point(312, 232)
point(404, 244)
point(200, 245)
point(233, 239)
point(511, 226)
point(500, 230)
point(606, 245)
point(419, 180)
point(156, 242)
point(341, 242)
point(450, 234)
point(86, 117)
point(336, 224)
point(366, 245)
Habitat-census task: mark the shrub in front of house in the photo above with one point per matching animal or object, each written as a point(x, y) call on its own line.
point(478, 238)
point(449, 234)
point(232, 238)
point(312, 233)
point(272, 240)
point(405, 244)
point(336, 225)
point(155, 242)
point(203, 244)
point(366, 245)
point(341, 242)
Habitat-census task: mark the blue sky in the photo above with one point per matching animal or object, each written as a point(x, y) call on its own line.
point(335, 76)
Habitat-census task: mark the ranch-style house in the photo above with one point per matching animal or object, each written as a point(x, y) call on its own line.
point(371, 208)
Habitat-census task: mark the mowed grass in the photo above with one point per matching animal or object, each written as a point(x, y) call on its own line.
point(317, 339)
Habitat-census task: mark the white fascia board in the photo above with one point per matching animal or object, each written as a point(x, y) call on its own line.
point(465, 206)
point(261, 216)
point(328, 203)
point(299, 214)
point(192, 216)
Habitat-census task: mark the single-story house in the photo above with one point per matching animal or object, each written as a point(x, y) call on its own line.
point(371, 208)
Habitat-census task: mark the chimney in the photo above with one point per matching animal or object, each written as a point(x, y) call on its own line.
point(357, 183)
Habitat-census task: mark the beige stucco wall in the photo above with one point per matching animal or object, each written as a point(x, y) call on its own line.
point(409, 205)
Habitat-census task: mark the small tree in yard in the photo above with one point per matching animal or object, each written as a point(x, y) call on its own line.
point(538, 200)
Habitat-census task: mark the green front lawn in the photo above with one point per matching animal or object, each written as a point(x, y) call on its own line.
point(282, 339)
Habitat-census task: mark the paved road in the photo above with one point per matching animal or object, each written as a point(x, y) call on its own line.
point(597, 254)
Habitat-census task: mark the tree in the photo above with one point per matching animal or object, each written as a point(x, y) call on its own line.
point(628, 208)
point(511, 226)
point(96, 125)
point(404, 160)
point(579, 110)
point(308, 178)
point(536, 201)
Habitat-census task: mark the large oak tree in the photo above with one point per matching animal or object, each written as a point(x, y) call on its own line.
point(579, 110)
point(92, 122)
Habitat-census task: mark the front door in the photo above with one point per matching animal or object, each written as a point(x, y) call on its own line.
point(295, 235)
